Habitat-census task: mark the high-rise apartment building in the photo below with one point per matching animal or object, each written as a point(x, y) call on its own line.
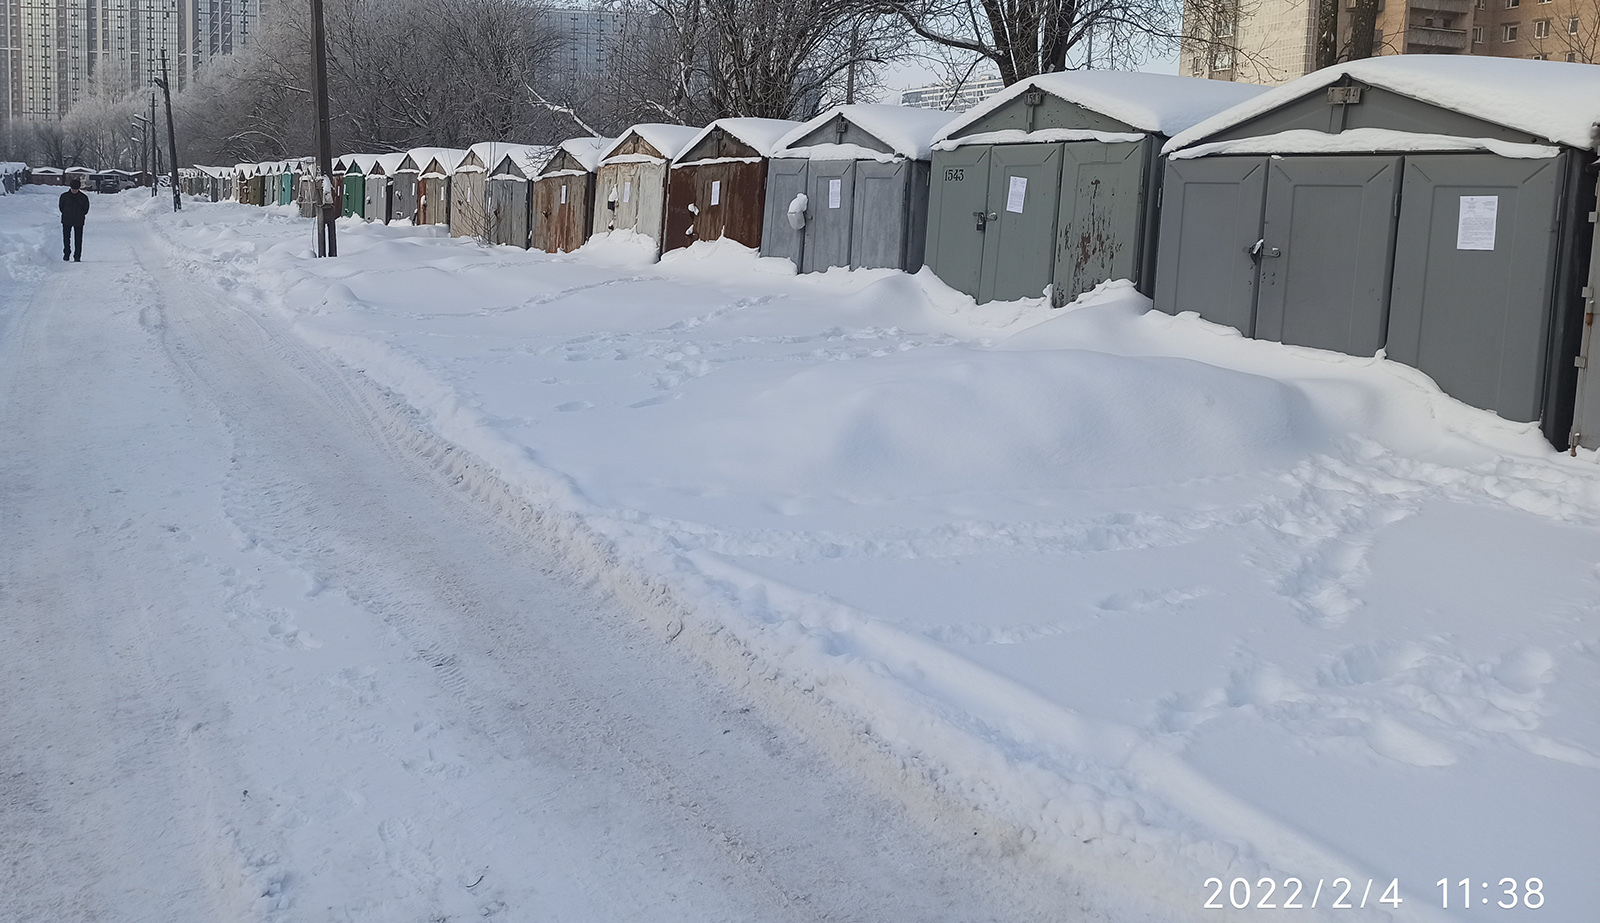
point(584, 41)
point(55, 52)
point(1273, 41)
point(952, 96)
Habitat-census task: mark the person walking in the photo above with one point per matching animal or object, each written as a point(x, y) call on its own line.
point(74, 208)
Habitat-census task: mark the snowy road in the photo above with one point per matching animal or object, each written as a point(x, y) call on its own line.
point(263, 661)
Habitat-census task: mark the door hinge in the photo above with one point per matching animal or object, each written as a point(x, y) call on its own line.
point(1581, 362)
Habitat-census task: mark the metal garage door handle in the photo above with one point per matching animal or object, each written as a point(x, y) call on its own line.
point(1259, 249)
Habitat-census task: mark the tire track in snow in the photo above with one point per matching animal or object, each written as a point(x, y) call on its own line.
point(779, 835)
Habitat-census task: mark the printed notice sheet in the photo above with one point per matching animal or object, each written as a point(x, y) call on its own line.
point(1475, 229)
point(1017, 192)
point(834, 186)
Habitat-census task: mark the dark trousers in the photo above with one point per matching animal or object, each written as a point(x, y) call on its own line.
point(71, 240)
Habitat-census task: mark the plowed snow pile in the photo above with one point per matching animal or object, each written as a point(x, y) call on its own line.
point(1170, 604)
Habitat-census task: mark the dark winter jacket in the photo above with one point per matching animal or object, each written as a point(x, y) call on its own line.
point(74, 206)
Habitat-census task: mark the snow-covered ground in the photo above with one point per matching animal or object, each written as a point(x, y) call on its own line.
point(263, 659)
point(1161, 603)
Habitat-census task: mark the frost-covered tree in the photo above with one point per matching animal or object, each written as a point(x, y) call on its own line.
point(401, 74)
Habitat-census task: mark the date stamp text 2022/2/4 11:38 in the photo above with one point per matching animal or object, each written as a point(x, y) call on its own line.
point(1357, 894)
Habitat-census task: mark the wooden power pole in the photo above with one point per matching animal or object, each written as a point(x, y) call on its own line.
point(172, 134)
point(327, 197)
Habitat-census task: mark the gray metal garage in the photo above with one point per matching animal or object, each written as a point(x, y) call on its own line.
point(850, 188)
point(379, 190)
point(1050, 186)
point(1434, 207)
point(509, 205)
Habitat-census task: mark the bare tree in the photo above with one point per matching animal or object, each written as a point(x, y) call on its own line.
point(402, 74)
point(96, 128)
point(698, 60)
point(1023, 38)
point(1572, 36)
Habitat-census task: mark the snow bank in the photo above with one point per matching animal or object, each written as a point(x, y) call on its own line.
point(1089, 420)
point(1163, 602)
point(28, 246)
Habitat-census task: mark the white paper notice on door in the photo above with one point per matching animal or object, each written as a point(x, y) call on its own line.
point(563, 195)
point(1016, 193)
point(1475, 228)
point(835, 187)
point(716, 191)
point(627, 190)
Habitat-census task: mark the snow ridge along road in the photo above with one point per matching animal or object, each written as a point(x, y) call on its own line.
point(265, 661)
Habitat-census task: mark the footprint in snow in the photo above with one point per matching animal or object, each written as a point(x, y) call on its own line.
point(570, 406)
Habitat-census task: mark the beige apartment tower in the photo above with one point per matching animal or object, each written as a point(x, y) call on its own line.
point(1273, 41)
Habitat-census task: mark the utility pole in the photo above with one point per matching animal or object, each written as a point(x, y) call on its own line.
point(150, 144)
point(328, 212)
point(172, 135)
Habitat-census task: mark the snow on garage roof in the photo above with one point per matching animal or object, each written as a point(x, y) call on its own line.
point(529, 159)
point(388, 163)
point(490, 153)
point(1361, 141)
point(1160, 103)
point(762, 135)
point(359, 163)
point(449, 157)
point(670, 140)
point(588, 151)
point(1551, 99)
point(908, 131)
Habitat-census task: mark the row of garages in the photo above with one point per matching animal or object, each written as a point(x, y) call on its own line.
point(1439, 210)
point(91, 180)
